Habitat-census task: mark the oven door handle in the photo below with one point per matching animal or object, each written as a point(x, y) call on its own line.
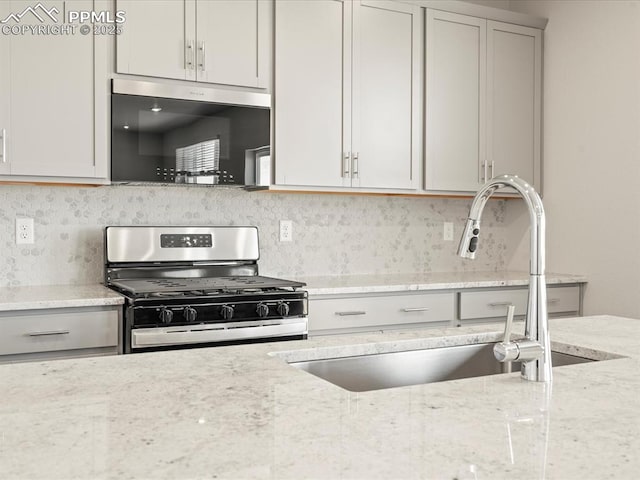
point(208, 333)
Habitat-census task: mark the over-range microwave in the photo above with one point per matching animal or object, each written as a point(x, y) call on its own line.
point(179, 134)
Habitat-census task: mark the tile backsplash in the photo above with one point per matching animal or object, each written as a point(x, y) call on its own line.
point(332, 234)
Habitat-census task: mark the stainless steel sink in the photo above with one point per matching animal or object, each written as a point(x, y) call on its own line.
point(415, 367)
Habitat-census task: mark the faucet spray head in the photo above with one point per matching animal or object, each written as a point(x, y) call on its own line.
point(469, 241)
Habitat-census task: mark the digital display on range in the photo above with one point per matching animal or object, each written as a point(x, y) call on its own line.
point(181, 240)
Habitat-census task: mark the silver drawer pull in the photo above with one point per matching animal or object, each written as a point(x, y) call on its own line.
point(43, 334)
point(553, 300)
point(416, 309)
point(354, 312)
point(500, 304)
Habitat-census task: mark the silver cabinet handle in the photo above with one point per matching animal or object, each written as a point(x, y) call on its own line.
point(43, 334)
point(491, 166)
point(346, 160)
point(188, 56)
point(202, 57)
point(351, 313)
point(356, 155)
point(553, 300)
point(3, 137)
point(500, 304)
point(483, 172)
point(416, 309)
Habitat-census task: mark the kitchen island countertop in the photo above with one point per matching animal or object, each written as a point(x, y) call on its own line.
point(242, 412)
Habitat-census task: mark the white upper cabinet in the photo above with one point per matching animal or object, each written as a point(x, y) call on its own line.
point(311, 130)
point(385, 95)
point(483, 101)
point(154, 39)
point(455, 101)
point(347, 87)
point(222, 41)
point(53, 103)
point(514, 72)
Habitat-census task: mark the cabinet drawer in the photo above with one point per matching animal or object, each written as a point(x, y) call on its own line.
point(563, 299)
point(378, 311)
point(31, 332)
point(494, 303)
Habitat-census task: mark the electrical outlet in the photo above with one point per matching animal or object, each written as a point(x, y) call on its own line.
point(24, 231)
point(448, 231)
point(286, 230)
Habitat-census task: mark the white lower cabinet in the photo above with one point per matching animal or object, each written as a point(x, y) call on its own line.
point(340, 314)
point(59, 333)
point(332, 314)
point(491, 304)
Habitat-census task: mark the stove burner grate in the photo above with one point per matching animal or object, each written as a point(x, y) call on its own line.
point(209, 286)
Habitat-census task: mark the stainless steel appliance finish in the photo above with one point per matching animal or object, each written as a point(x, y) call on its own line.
point(198, 286)
point(535, 351)
point(188, 135)
point(211, 333)
point(416, 367)
point(188, 92)
point(197, 244)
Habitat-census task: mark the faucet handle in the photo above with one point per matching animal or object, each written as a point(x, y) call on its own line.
point(511, 309)
point(507, 351)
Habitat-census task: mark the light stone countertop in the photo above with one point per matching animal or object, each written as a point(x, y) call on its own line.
point(62, 296)
point(242, 413)
point(356, 284)
point(57, 296)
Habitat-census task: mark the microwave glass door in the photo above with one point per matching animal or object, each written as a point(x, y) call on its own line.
point(183, 141)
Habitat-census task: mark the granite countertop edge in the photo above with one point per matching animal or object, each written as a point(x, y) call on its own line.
point(40, 297)
point(410, 282)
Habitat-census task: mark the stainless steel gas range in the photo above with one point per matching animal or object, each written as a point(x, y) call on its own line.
point(190, 287)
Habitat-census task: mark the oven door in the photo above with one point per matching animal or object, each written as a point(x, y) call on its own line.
point(247, 331)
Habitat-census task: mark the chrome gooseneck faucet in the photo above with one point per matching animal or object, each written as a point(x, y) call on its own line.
point(534, 352)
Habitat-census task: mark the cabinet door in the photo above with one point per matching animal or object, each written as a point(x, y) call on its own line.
point(154, 40)
point(311, 87)
point(228, 41)
point(386, 87)
point(5, 104)
point(455, 102)
point(514, 75)
point(52, 101)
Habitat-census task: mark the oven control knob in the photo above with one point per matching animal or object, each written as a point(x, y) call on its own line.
point(227, 312)
point(283, 309)
point(190, 314)
point(262, 309)
point(166, 315)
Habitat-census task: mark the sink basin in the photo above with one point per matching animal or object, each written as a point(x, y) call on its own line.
point(415, 367)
